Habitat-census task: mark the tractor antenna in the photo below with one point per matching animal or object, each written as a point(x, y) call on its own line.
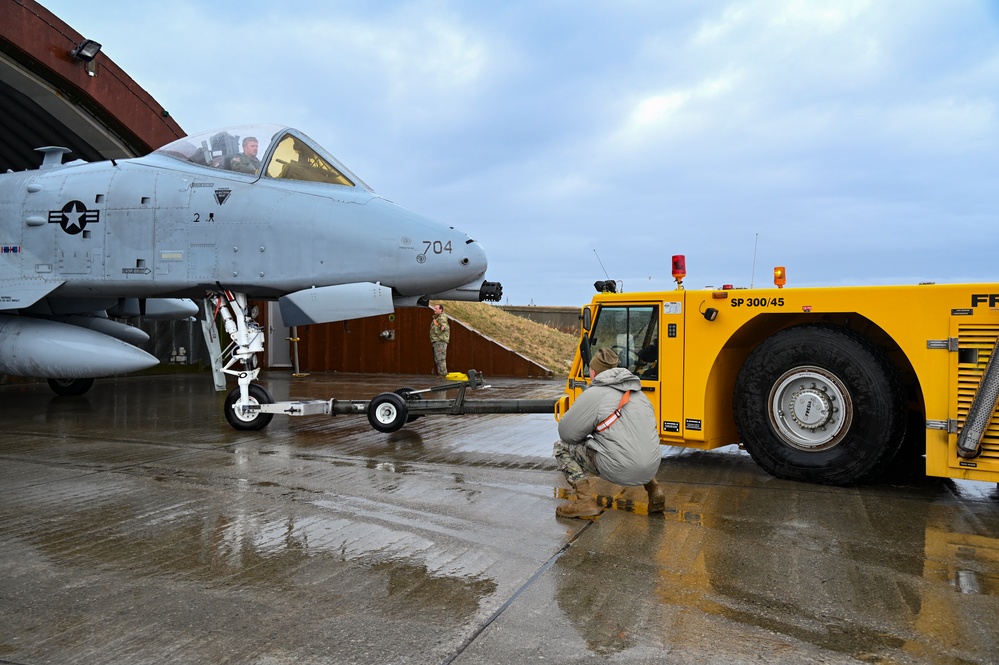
point(601, 264)
point(752, 278)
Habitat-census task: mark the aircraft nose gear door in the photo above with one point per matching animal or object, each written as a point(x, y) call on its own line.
point(242, 405)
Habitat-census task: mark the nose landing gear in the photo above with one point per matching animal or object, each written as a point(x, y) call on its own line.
point(242, 405)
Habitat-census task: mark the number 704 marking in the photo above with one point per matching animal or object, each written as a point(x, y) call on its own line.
point(437, 246)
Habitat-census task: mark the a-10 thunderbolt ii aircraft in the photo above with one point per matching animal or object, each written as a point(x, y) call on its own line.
point(257, 211)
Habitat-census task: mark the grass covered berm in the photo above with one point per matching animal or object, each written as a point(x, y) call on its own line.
point(549, 347)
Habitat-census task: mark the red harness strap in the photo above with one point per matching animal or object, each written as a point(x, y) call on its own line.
point(612, 418)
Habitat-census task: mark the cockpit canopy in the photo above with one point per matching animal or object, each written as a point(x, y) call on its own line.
point(262, 150)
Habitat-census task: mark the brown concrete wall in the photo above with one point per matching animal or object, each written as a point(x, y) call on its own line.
point(356, 346)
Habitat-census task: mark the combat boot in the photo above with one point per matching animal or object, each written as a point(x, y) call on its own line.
point(657, 499)
point(585, 506)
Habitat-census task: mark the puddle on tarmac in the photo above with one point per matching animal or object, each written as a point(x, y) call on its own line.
point(875, 574)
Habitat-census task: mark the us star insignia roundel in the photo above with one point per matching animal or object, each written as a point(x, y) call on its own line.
point(74, 217)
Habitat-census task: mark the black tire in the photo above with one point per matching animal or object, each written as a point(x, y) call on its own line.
point(407, 394)
point(70, 387)
point(252, 421)
point(819, 404)
point(387, 412)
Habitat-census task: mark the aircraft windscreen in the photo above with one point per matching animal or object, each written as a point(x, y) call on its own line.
point(294, 159)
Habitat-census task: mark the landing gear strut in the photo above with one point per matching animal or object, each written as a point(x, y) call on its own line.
point(242, 405)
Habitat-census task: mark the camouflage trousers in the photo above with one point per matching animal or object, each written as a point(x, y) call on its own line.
point(440, 357)
point(573, 461)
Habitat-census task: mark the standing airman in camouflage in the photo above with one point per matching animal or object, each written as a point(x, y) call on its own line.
point(440, 335)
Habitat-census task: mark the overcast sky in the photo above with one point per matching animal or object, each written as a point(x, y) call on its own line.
point(854, 142)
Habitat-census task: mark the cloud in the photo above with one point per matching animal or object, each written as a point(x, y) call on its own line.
point(855, 139)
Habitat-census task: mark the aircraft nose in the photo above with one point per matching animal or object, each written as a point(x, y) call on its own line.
point(431, 259)
point(474, 256)
point(473, 264)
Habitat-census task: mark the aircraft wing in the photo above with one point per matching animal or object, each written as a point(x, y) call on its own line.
point(21, 293)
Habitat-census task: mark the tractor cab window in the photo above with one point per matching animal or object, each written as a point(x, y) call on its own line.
point(294, 159)
point(633, 333)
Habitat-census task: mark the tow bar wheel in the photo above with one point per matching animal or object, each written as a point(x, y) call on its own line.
point(387, 412)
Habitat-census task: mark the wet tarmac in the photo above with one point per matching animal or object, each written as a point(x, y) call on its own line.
point(137, 527)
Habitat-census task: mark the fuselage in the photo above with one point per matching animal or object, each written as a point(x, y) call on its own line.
point(159, 226)
point(259, 210)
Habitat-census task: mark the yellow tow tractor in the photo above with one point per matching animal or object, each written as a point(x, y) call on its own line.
point(832, 385)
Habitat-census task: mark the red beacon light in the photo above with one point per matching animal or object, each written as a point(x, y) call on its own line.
point(679, 269)
point(780, 276)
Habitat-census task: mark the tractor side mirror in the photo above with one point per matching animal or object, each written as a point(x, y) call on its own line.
point(584, 350)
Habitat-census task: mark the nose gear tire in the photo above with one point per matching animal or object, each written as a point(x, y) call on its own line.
point(251, 420)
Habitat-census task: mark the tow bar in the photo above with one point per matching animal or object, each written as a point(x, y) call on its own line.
point(387, 412)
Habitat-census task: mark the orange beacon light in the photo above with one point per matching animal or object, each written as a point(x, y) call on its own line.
point(780, 276)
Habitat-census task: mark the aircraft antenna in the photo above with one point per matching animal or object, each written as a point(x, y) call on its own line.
point(752, 278)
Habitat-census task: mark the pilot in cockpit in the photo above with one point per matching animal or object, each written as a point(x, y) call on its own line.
point(247, 161)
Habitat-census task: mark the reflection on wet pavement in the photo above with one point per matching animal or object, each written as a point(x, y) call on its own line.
point(136, 526)
point(863, 573)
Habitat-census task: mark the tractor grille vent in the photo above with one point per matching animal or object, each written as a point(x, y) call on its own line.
point(976, 344)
